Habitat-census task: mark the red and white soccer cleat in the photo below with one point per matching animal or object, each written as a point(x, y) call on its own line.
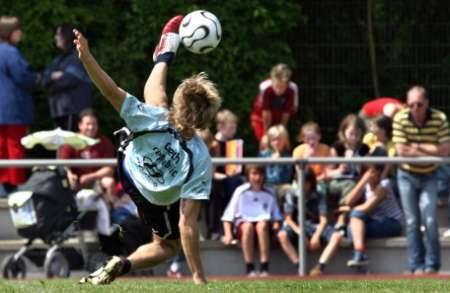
point(170, 40)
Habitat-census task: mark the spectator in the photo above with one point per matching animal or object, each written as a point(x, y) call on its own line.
point(252, 209)
point(67, 82)
point(98, 178)
point(380, 106)
point(276, 102)
point(310, 135)
point(378, 216)
point(420, 131)
point(380, 134)
point(223, 184)
point(316, 225)
point(16, 102)
point(277, 175)
point(345, 176)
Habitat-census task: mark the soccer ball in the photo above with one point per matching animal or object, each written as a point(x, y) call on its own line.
point(200, 31)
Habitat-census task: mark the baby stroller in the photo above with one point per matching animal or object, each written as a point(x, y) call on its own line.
point(45, 208)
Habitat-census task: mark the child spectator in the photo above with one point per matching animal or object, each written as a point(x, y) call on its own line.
point(380, 134)
point(378, 216)
point(316, 225)
point(277, 175)
point(223, 183)
point(310, 135)
point(252, 209)
point(345, 176)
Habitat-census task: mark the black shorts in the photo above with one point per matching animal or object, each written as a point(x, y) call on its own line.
point(163, 220)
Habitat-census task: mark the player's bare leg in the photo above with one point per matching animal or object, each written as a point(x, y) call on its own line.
point(189, 211)
point(248, 242)
point(152, 254)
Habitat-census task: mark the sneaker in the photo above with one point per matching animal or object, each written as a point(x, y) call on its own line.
point(419, 272)
point(252, 274)
point(359, 259)
point(430, 271)
point(341, 228)
point(446, 233)
point(316, 271)
point(174, 274)
point(106, 274)
point(170, 40)
point(264, 274)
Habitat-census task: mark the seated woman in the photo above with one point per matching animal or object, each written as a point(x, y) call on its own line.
point(252, 209)
point(378, 216)
point(317, 229)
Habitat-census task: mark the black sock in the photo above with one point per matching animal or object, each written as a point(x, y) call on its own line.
point(126, 268)
point(265, 266)
point(165, 57)
point(295, 265)
point(250, 267)
point(322, 266)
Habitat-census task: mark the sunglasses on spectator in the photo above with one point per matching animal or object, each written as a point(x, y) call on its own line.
point(418, 105)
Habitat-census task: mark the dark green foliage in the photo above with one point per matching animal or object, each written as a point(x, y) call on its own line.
point(122, 35)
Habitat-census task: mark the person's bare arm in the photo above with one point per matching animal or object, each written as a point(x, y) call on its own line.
point(380, 194)
point(355, 194)
point(189, 210)
point(285, 119)
point(267, 119)
point(106, 171)
point(155, 87)
point(99, 77)
point(228, 233)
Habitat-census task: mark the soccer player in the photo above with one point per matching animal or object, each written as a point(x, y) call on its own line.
point(164, 165)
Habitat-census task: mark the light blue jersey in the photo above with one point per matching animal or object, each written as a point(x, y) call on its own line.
point(160, 166)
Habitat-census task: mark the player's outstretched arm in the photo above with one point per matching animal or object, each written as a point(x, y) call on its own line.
point(155, 87)
point(99, 77)
point(189, 210)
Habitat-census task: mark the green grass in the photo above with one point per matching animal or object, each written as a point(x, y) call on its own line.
point(142, 285)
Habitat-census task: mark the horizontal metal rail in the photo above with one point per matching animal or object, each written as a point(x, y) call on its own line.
point(242, 161)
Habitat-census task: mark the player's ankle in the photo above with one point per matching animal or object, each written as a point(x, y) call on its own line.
point(126, 266)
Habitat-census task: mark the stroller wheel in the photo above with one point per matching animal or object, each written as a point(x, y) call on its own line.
point(56, 265)
point(95, 261)
point(13, 269)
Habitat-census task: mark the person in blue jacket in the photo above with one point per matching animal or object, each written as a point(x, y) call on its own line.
point(69, 87)
point(16, 102)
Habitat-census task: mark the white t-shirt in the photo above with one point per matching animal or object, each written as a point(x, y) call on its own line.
point(388, 207)
point(252, 206)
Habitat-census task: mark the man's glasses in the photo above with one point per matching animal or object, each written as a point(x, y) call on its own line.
point(418, 105)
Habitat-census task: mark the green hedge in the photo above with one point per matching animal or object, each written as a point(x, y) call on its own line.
point(122, 35)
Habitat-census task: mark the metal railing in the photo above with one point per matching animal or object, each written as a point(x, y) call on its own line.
point(300, 165)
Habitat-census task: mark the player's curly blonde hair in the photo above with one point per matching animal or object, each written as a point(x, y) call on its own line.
point(195, 102)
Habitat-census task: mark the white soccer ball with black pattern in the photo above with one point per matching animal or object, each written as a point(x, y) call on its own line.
point(200, 31)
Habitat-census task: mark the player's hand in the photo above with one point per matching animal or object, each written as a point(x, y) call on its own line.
point(81, 44)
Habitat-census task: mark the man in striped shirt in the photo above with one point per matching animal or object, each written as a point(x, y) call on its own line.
point(420, 131)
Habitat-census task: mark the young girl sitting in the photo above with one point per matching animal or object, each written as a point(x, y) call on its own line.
point(310, 135)
point(345, 176)
point(277, 175)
